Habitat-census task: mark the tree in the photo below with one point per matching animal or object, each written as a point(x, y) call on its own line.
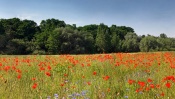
point(53, 42)
point(50, 24)
point(11, 27)
point(148, 43)
point(27, 29)
point(92, 29)
point(131, 43)
point(103, 38)
point(123, 30)
point(16, 46)
point(2, 31)
point(115, 40)
point(162, 35)
point(88, 42)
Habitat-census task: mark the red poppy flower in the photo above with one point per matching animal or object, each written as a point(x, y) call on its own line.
point(89, 83)
point(147, 89)
point(106, 77)
point(162, 94)
point(49, 67)
point(149, 80)
point(48, 73)
point(168, 85)
point(33, 79)
point(6, 68)
point(94, 73)
point(34, 85)
point(18, 71)
point(151, 85)
point(130, 81)
point(19, 76)
point(142, 84)
point(42, 68)
point(157, 86)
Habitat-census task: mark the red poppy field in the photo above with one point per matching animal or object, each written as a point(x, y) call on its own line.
point(98, 76)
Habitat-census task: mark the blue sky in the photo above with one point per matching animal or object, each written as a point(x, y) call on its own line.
point(145, 16)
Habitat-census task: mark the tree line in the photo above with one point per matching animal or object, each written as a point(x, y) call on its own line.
point(53, 36)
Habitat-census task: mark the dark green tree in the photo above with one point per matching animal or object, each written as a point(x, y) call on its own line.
point(50, 24)
point(131, 43)
point(148, 43)
point(103, 38)
point(115, 40)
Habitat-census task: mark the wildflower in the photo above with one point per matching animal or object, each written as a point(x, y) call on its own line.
point(82, 65)
point(34, 85)
point(49, 67)
point(147, 89)
point(169, 78)
point(88, 64)
point(106, 77)
point(162, 94)
point(89, 83)
point(19, 76)
point(56, 96)
point(139, 90)
point(149, 80)
point(94, 73)
point(48, 73)
point(126, 97)
point(83, 93)
point(6, 68)
point(77, 94)
point(157, 86)
point(66, 81)
point(33, 79)
point(151, 85)
point(18, 71)
point(168, 85)
point(42, 68)
point(142, 84)
point(131, 81)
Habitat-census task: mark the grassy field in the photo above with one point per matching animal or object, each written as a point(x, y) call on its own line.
point(98, 76)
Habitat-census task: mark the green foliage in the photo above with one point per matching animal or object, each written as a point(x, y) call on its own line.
point(16, 46)
point(115, 40)
point(27, 29)
point(2, 31)
point(131, 43)
point(92, 29)
point(103, 38)
point(148, 43)
point(54, 36)
point(50, 24)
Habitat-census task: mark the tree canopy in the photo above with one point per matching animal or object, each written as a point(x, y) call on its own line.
point(53, 36)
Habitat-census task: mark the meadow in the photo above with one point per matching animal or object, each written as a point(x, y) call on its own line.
point(98, 76)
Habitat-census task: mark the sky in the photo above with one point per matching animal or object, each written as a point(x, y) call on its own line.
point(144, 16)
